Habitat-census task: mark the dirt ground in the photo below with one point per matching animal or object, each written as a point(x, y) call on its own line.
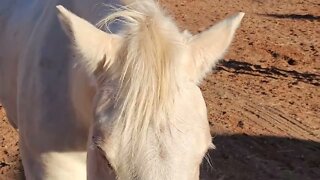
point(263, 98)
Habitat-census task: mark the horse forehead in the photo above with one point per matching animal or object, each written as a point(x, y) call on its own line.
point(190, 98)
point(190, 115)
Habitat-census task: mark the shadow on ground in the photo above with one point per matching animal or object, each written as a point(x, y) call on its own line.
point(308, 17)
point(243, 157)
point(241, 67)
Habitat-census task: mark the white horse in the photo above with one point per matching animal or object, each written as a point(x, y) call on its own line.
point(113, 106)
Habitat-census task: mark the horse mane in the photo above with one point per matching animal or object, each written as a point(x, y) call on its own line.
point(146, 69)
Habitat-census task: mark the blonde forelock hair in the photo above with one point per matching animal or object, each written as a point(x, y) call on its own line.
point(145, 67)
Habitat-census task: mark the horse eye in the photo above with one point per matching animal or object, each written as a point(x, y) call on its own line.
point(101, 152)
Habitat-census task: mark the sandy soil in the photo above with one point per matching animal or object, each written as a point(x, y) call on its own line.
point(263, 97)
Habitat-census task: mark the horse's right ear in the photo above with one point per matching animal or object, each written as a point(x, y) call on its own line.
point(91, 44)
point(209, 46)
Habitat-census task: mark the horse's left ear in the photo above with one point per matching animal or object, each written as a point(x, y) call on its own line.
point(209, 46)
point(93, 45)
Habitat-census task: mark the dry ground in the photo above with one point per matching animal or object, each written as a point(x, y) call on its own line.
point(263, 98)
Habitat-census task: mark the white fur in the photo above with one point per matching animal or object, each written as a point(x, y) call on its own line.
point(209, 46)
point(136, 92)
point(68, 165)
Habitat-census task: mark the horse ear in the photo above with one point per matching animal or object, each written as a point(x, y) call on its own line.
point(91, 44)
point(209, 46)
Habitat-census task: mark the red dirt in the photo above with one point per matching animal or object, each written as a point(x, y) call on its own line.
point(263, 97)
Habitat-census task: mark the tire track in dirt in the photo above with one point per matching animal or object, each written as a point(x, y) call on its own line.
point(282, 123)
point(262, 115)
point(303, 126)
